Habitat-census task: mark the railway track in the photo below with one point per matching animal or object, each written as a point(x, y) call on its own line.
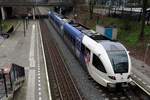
point(61, 82)
point(132, 92)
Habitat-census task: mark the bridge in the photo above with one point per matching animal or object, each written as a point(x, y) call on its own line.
point(8, 3)
point(21, 7)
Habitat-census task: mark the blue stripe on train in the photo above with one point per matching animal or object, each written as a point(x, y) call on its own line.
point(73, 31)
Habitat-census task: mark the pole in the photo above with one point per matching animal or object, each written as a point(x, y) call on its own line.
point(1, 28)
point(33, 13)
point(24, 26)
point(26, 22)
point(3, 13)
point(144, 7)
point(4, 82)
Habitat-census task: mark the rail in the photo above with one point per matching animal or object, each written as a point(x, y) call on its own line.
point(62, 85)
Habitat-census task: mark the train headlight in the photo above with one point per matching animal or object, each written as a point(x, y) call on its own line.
point(112, 77)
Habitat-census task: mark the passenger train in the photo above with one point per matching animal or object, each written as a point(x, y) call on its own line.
point(107, 61)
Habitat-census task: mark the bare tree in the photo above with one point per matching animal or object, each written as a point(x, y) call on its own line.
point(144, 7)
point(74, 6)
point(76, 3)
point(91, 7)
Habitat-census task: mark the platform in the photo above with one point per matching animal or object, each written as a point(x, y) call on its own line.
point(141, 75)
point(27, 51)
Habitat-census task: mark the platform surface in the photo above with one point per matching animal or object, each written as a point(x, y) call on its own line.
point(27, 51)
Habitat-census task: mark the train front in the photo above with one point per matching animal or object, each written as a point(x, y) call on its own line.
point(120, 61)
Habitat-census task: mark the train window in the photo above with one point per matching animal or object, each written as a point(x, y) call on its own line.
point(119, 61)
point(70, 37)
point(87, 49)
point(82, 48)
point(78, 45)
point(72, 40)
point(98, 64)
point(66, 33)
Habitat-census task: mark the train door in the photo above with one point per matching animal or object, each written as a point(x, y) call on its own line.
point(62, 30)
point(78, 47)
point(85, 56)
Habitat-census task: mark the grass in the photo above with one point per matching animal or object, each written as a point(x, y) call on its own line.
point(7, 24)
point(147, 30)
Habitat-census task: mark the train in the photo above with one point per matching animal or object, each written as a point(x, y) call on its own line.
point(12, 77)
point(107, 61)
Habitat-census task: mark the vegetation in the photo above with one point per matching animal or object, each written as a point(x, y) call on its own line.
point(144, 6)
point(91, 7)
point(7, 24)
point(128, 31)
point(130, 3)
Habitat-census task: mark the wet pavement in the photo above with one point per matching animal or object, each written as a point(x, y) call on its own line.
point(26, 51)
point(1, 40)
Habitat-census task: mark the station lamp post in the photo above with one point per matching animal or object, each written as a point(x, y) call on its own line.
point(0, 22)
point(0, 25)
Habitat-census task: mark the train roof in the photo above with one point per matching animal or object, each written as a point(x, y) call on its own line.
point(78, 29)
point(72, 30)
point(58, 15)
point(99, 47)
point(90, 33)
point(112, 46)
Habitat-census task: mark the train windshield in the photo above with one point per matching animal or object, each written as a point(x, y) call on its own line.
point(119, 61)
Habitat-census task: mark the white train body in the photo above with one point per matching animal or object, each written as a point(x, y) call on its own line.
point(99, 49)
point(108, 62)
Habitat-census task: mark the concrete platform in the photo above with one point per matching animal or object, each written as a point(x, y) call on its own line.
point(141, 75)
point(27, 51)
